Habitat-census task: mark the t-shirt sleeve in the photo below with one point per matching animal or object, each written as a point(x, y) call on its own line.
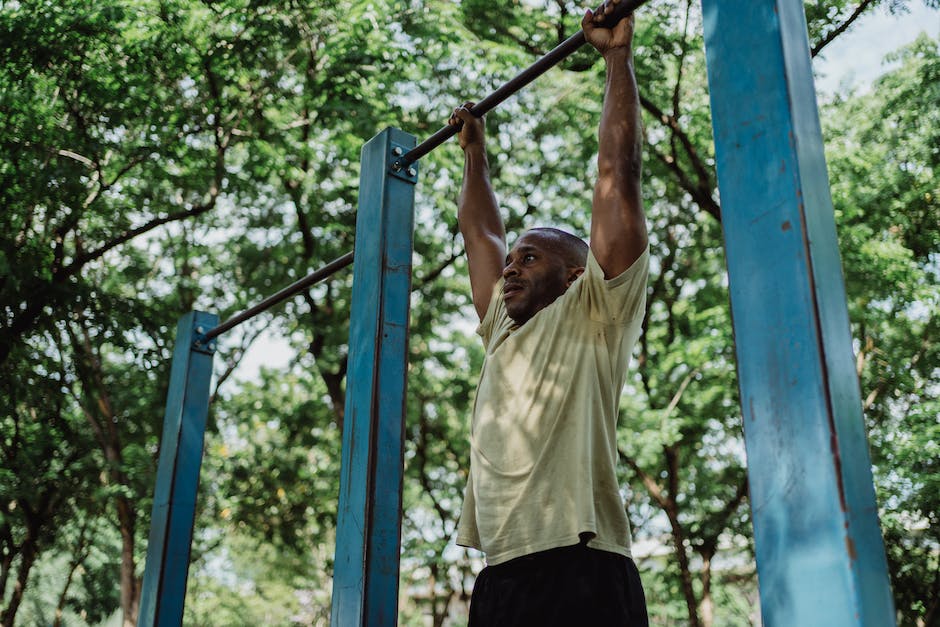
point(495, 314)
point(618, 300)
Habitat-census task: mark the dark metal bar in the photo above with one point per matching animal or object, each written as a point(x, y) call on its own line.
point(523, 78)
point(490, 102)
point(294, 288)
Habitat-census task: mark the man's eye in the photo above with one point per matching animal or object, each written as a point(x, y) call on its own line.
point(528, 258)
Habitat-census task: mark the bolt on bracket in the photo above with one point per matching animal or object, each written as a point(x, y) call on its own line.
point(406, 172)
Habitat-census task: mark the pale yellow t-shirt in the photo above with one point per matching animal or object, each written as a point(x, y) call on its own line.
point(543, 441)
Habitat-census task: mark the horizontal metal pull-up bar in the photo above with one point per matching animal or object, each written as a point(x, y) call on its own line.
point(490, 102)
point(523, 78)
point(294, 288)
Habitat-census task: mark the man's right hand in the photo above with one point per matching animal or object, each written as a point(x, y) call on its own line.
point(471, 127)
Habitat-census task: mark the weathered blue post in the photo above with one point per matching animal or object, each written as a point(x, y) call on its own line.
point(365, 577)
point(174, 503)
point(820, 555)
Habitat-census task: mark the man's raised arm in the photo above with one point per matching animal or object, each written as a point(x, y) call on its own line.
point(618, 225)
point(478, 216)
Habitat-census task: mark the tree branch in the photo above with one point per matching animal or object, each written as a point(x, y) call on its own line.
point(700, 191)
point(841, 28)
point(678, 395)
point(916, 357)
point(235, 359)
point(128, 235)
point(677, 88)
point(700, 195)
point(421, 282)
point(654, 489)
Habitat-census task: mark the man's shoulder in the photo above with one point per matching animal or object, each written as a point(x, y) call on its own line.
point(638, 270)
point(617, 300)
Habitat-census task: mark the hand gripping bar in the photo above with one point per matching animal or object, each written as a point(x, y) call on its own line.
point(523, 78)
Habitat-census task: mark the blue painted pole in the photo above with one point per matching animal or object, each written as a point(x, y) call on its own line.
point(365, 577)
point(820, 554)
point(174, 503)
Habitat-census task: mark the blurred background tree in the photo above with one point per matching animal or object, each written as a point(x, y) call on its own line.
point(165, 155)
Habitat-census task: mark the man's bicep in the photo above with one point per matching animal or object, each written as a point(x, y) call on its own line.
point(618, 228)
point(486, 256)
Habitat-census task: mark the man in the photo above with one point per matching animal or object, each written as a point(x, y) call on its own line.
point(558, 323)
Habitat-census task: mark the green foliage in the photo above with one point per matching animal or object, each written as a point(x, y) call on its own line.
point(281, 427)
point(165, 156)
point(884, 166)
point(247, 582)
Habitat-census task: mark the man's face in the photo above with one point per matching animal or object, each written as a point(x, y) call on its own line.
point(534, 276)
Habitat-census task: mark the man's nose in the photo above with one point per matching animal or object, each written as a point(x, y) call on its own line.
point(510, 270)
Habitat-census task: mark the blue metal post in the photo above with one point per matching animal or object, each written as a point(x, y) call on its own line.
point(820, 555)
point(365, 577)
point(174, 503)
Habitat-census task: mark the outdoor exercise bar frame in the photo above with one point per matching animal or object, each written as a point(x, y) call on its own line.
point(820, 555)
point(373, 437)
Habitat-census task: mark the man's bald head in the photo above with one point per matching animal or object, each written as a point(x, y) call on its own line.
point(541, 265)
point(571, 249)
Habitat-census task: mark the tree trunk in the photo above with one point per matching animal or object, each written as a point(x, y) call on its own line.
point(685, 572)
point(5, 566)
point(130, 588)
point(28, 553)
point(671, 508)
point(100, 415)
point(440, 612)
point(707, 605)
point(439, 604)
point(80, 554)
point(667, 502)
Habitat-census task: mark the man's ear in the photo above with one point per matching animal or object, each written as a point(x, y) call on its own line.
point(573, 274)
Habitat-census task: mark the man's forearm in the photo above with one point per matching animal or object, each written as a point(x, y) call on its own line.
point(620, 146)
point(477, 208)
point(477, 212)
point(618, 225)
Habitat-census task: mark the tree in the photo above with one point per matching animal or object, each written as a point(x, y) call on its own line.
point(131, 125)
point(884, 163)
point(164, 155)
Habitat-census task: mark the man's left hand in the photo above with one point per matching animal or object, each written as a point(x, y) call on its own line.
point(607, 39)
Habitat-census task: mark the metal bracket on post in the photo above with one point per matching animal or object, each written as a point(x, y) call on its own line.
point(200, 344)
point(820, 555)
point(163, 590)
point(368, 537)
point(406, 172)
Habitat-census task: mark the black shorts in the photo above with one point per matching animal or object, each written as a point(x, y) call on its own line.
point(572, 586)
